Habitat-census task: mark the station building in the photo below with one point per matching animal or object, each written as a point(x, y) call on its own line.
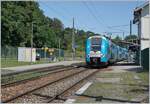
point(142, 19)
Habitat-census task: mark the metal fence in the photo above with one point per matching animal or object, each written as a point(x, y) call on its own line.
point(9, 56)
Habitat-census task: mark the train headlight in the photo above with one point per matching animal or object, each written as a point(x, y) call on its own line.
point(88, 55)
point(102, 55)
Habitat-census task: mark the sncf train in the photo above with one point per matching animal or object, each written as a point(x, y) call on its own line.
point(101, 51)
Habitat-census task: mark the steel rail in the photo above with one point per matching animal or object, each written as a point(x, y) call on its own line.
point(37, 77)
point(32, 70)
point(64, 91)
point(17, 96)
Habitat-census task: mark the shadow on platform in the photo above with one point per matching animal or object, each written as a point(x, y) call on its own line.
point(136, 69)
point(100, 98)
point(125, 64)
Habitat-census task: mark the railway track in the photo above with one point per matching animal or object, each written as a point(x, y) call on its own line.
point(20, 88)
point(50, 89)
point(56, 89)
point(44, 73)
point(63, 93)
point(33, 70)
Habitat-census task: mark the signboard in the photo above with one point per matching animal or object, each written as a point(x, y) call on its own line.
point(51, 50)
point(21, 53)
point(24, 54)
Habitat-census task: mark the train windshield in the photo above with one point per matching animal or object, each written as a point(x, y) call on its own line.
point(95, 44)
point(95, 48)
point(95, 41)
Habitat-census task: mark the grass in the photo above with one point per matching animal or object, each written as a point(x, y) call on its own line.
point(14, 62)
point(144, 77)
point(21, 76)
point(127, 89)
point(11, 63)
point(116, 91)
point(126, 77)
point(107, 75)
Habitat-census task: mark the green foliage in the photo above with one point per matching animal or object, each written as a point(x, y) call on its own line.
point(131, 38)
point(17, 18)
point(117, 40)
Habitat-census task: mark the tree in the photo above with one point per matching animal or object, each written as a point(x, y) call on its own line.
point(131, 38)
point(117, 40)
point(17, 18)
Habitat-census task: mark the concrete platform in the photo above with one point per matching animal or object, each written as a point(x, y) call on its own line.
point(82, 89)
point(125, 66)
point(36, 66)
point(118, 85)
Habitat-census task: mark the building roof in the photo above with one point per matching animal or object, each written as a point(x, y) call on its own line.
point(139, 8)
point(97, 36)
point(137, 12)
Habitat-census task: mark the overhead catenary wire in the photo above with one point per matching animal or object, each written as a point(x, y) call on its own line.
point(58, 13)
point(102, 22)
point(99, 16)
point(119, 26)
point(55, 11)
point(97, 12)
point(91, 12)
point(78, 20)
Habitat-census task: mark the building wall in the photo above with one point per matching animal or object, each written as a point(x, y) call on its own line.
point(145, 27)
point(144, 32)
point(145, 11)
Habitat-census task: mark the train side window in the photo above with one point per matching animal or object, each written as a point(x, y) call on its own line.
point(108, 49)
point(112, 46)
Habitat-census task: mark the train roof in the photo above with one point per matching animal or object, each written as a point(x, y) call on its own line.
point(103, 37)
point(97, 36)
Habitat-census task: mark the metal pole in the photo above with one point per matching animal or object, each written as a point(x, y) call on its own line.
point(123, 36)
point(31, 42)
point(45, 48)
point(139, 34)
point(130, 27)
point(73, 48)
point(59, 48)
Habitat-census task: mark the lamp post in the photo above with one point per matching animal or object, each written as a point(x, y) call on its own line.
point(73, 39)
point(59, 48)
point(31, 40)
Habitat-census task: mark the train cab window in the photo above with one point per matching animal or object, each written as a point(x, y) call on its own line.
point(96, 41)
point(108, 49)
point(96, 48)
point(95, 44)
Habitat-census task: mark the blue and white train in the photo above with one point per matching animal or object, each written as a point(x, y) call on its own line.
point(101, 51)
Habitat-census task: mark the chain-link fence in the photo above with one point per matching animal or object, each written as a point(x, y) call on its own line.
point(49, 54)
point(9, 56)
point(9, 52)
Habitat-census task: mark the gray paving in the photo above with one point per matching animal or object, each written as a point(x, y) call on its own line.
point(108, 80)
point(124, 66)
point(35, 66)
point(3, 71)
point(140, 97)
point(136, 77)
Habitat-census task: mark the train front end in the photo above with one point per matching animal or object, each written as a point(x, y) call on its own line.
point(93, 50)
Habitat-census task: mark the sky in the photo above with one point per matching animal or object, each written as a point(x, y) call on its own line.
point(112, 17)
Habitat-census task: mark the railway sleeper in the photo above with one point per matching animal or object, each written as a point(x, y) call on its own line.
point(50, 97)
